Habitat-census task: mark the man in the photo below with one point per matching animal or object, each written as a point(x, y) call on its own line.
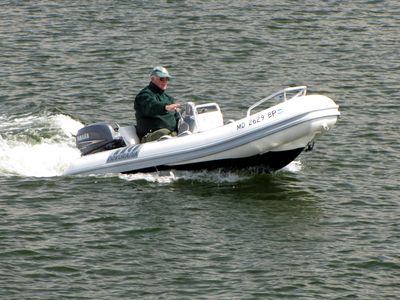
point(155, 109)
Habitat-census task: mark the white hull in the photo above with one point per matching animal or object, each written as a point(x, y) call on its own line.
point(270, 138)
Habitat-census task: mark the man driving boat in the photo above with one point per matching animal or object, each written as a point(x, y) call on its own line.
point(155, 110)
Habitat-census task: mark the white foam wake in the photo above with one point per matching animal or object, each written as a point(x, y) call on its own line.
point(39, 146)
point(293, 167)
point(150, 177)
point(174, 175)
point(216, 176)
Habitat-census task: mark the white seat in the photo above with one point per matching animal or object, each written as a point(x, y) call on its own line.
point(129, 135)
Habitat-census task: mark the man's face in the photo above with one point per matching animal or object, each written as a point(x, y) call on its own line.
point(162, 83)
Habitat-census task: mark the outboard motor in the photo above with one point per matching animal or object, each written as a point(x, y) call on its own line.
point(98, 137)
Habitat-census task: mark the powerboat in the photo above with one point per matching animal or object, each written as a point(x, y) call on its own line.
point(266, 137)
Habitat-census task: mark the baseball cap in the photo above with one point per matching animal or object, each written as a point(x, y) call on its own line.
point(160, 72)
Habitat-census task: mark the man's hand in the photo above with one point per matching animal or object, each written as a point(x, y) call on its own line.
point(172, 107)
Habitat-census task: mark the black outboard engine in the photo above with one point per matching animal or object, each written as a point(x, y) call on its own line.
point(98, 137)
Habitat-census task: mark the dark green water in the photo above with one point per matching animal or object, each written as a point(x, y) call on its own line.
point(326, 227)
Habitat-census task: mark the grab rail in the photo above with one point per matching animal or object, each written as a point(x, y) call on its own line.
point(302, 92)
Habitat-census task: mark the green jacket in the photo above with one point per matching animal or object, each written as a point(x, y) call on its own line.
point(150, 110)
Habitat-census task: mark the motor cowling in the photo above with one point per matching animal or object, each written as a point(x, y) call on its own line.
point(98, 137)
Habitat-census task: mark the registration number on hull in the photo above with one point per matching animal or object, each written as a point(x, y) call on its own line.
point(258, 119)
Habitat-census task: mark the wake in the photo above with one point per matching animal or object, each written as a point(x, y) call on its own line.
point(37, 146)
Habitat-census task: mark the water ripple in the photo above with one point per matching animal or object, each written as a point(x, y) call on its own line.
point(325, 228)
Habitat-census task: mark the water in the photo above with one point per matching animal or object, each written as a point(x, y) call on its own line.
point(325, 227)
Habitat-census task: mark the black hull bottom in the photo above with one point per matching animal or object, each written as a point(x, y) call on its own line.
point(268, 162)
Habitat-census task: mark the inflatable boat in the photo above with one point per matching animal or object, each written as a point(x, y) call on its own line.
point(267, 138)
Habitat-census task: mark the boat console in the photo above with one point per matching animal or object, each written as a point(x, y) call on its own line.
point(202, 117)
